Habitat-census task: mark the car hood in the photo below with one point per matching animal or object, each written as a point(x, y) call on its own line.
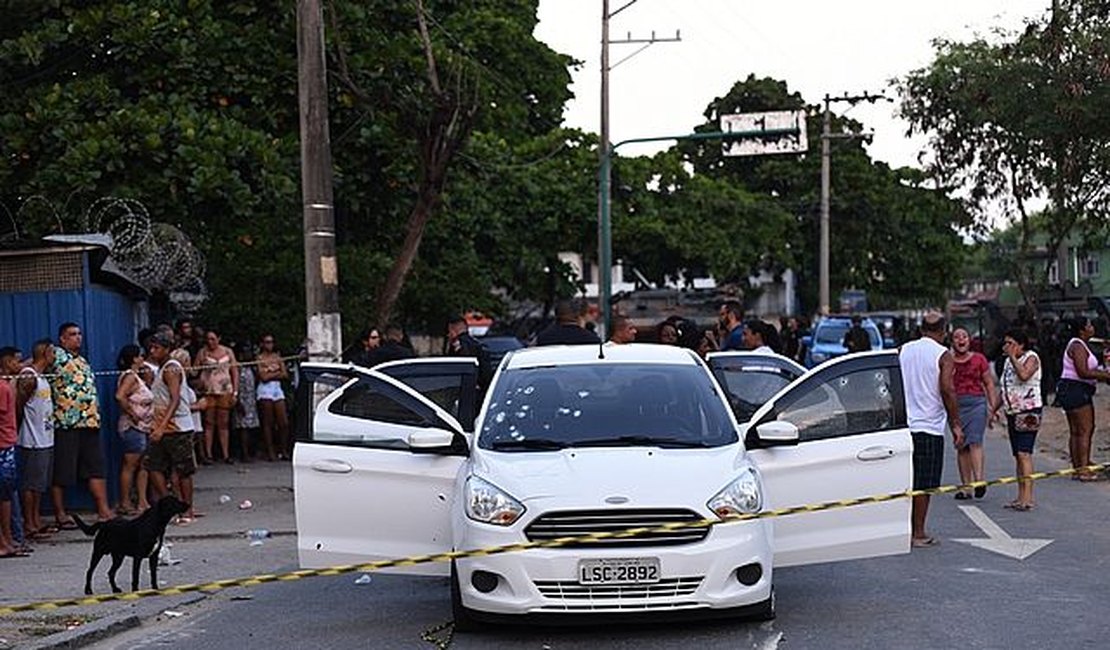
point(601, 477)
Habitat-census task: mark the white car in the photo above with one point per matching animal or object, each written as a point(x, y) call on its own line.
point(571, 440)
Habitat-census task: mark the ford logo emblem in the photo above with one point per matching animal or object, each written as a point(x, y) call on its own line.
point(616, 500)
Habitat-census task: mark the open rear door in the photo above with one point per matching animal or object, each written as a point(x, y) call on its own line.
point(363, 492)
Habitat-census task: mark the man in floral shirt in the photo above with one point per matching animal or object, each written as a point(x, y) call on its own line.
point(77, 452)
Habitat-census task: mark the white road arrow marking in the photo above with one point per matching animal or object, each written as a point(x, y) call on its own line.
point(998, 540)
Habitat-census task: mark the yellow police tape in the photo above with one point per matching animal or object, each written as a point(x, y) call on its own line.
point(522, 546)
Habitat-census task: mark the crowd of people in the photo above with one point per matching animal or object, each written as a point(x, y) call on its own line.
point(183, 396)
point(948, 388)
point(187, 399)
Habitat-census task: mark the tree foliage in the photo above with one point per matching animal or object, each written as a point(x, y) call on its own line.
point(1021, 116)
point(190, 108)
point(879, 217)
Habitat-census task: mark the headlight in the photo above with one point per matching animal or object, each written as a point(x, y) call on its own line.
point(489, 504)
point(818, 357)
point(742, 496)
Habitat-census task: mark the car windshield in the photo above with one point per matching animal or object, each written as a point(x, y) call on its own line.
point(605, 404)
point(833, 333)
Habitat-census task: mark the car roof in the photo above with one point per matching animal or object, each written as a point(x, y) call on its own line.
point(549, 355)
point(843, 320)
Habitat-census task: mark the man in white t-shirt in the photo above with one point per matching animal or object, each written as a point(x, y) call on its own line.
point(928, 377)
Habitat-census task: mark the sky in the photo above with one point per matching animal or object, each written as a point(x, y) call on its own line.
point(817, 47)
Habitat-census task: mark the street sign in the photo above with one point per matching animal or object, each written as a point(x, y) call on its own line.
point(753, 144)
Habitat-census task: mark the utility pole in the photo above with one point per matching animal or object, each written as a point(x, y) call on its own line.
point(321, 271)
point(826, 162)
point(604, 231)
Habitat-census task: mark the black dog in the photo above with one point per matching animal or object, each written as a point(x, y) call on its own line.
point(136, 538)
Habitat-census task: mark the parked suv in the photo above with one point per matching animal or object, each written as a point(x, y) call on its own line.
point(827, 340)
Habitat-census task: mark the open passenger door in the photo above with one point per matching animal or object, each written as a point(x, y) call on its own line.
point(852, 442)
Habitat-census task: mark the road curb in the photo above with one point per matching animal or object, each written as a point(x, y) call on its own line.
point(90, 633)
point(108, 626)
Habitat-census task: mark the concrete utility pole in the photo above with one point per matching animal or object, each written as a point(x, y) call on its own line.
point(826, 162)
point(604, 243)
point(321, 270)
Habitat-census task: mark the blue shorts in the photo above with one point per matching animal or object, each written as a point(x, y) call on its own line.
point(134, 441)
point(7, 474)
point(1072, 394)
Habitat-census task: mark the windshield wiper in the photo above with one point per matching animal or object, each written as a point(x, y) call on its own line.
point(640, 441)
point(539, 444)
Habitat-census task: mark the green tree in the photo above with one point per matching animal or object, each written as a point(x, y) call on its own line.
point(879, 216)
point(1020, 116)
point(190, 108)
point(438, 73)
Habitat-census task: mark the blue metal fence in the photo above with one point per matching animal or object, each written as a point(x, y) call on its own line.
point(109, 319)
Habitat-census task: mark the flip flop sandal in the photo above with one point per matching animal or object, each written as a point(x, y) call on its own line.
point(67, 525)
point(924, 542)
point(16, 553)
point(962, 496)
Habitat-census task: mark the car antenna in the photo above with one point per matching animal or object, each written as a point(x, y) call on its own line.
point(600, 348)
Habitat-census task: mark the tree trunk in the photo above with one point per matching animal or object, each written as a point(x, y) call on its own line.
point(417, 221)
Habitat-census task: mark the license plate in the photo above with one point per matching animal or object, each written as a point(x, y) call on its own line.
point(619, 571)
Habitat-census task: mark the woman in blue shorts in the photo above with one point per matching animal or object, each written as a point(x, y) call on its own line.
point(1021, 400)
point(1075, 392)
point(136, 404)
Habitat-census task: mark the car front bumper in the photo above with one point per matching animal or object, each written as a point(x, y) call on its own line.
point(695, 576)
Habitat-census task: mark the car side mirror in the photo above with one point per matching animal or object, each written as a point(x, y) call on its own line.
point(777, 433)
point(437, 441)
point(807, 341)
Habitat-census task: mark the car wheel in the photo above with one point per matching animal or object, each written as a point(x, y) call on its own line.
point(765, 611)
point(464, 620)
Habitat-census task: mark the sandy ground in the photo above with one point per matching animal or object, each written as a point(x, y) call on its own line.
point(1053, 437)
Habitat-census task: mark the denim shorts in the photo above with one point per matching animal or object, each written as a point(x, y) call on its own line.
point(7, 474)
point(1072, 394)
point(134, 441)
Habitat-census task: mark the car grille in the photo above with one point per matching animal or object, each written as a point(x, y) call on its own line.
point(575, 523)
point(573, 593)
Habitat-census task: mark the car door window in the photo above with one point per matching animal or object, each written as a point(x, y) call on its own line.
point(386, 407)
point(856, 402)
point(751, 387)
point(444, 391)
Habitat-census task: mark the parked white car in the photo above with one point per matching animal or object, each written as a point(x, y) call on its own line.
point(393, 462)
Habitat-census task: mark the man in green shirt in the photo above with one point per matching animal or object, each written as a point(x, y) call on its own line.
point(77, 452)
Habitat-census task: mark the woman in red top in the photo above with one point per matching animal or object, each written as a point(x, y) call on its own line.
point(975, 392)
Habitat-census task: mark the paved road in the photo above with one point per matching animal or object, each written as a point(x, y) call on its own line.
point(950, 596)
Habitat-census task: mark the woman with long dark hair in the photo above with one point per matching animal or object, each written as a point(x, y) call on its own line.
point(136, 403)
point(1075, 392)
point(271, 400)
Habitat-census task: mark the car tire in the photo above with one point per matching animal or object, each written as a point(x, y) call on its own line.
point(463, 618)
point(765, 611)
